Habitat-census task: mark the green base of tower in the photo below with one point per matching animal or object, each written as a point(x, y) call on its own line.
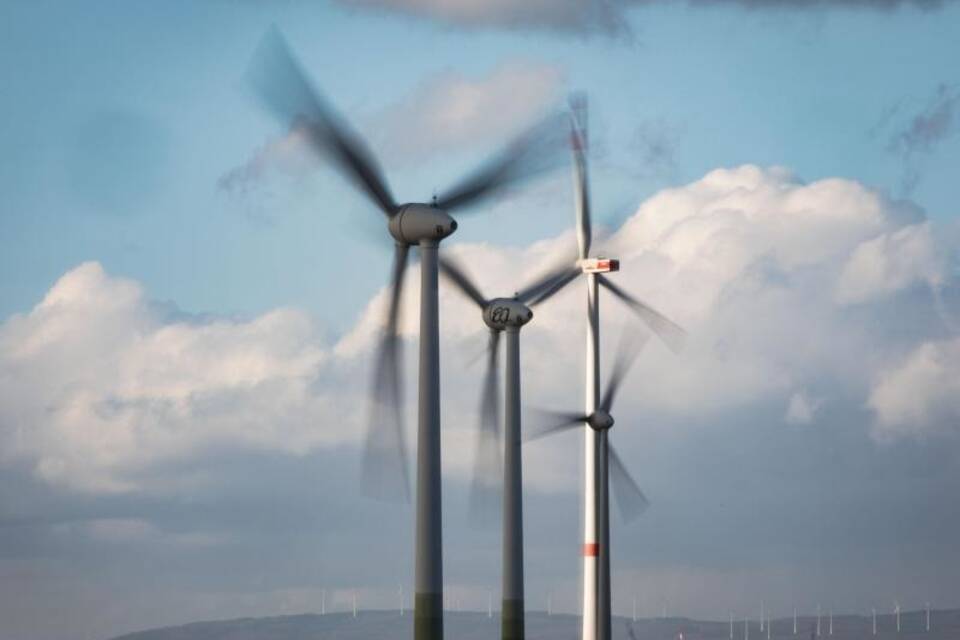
point(428, 616)
point(511, 620)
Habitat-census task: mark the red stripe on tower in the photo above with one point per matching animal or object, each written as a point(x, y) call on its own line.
point(590, 549)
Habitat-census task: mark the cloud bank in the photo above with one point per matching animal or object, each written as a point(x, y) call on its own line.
point(785, 287)
point(588, 17)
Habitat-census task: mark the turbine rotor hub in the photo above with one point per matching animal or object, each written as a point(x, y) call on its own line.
point(600, 420)
point(416, 223)
point(501, 314)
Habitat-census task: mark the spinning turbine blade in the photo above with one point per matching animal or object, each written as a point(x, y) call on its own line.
point(629, 496)
point(548, 284)
point(534, 151)
point(629, 348)
point(453, 270)
point(556, 286)
point(578, 141)
point(385, 472)
point(487, 466)
point(667, 330)
point(561, 421)
point(283, 87)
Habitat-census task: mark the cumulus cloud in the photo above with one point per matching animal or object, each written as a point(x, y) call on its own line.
point(98, 385)
point(891, 262)
point(761, 268)
point(921, 394)
point(587, 17)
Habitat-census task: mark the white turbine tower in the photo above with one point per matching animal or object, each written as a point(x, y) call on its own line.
point(596, 521)
point(818, 621)
point(731, 625)
point(874, 611)
point(761, 616)
point(928, 616)
point(896, 609)
point(831, 622)
point(794, 621)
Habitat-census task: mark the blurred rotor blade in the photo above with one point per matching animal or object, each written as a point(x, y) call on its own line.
point(578, 143)
point(453, 270)
point(283, 87)
point(558, 421)
point(667, 330)
point(535, 151)
point(485, 491)
point(385, 468)
point(556, 286)
point(534, 291)
point(629, 496)
point(629, 348)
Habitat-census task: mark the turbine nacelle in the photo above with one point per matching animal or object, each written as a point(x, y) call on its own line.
point(415, 223)
point(598, 265)
point(600, 420)
point(501, 314)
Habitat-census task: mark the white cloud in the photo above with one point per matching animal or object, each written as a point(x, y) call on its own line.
point(452, 112)
point(921, 394)
point(448, 112)
point(99, 385)
point(802, 408)
point(288, 154)
point(890, 262)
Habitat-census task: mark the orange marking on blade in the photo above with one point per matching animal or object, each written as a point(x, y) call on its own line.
point(590, 549)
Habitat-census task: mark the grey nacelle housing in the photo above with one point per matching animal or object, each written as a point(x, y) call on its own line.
point(414, 223)
point(600, 420)
point(504, 313)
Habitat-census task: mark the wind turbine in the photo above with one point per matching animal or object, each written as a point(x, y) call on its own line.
point(630, 498)
point(596, 525)
point(505, 315)
point(285, 90)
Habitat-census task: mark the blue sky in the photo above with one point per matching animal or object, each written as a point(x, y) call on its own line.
point(123, 116)
point(188, 301)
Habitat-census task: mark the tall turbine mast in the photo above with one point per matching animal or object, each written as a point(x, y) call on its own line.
point(286, 91)
point(506, 316)
point(596, 451)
